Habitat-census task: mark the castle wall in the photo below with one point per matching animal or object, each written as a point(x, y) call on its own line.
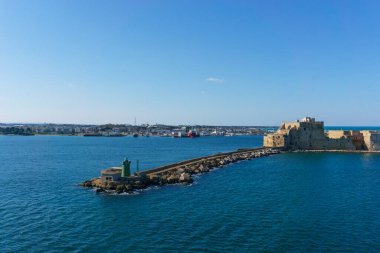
point(356, 137)
point(337, 134)
point(339, 144)
point(371, 140)
point(306, 135)
point(309, 134)
point(275, 141)
point(358, 140)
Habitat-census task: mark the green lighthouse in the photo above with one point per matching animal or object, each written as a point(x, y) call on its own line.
point(126, 168)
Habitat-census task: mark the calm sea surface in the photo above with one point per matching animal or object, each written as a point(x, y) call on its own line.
point(283, 203)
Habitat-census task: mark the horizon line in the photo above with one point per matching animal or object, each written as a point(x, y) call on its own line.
point(155, 124)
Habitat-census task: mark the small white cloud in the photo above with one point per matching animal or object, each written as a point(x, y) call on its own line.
point(214, 80)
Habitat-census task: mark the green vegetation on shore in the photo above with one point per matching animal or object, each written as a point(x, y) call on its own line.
point(16, 131)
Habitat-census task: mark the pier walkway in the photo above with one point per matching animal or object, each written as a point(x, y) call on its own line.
point(248, 152)
point(180, 172)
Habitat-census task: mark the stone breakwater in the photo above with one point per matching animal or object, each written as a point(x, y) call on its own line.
point(178, 172)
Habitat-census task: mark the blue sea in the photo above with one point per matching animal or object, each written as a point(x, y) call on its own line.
point(298, 202)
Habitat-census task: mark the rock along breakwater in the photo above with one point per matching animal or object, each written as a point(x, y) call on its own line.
point(180, 172)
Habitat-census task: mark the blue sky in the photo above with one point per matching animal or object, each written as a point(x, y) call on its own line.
point(190, 62)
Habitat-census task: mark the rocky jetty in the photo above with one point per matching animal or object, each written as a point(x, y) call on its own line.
point(124, 185)
point(176, 173)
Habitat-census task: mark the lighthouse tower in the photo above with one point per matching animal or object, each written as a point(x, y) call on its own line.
point(126, 168)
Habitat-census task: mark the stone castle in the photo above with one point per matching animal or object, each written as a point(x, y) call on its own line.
point(308, 134)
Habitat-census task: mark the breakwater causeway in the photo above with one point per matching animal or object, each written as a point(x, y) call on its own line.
point(119, 180)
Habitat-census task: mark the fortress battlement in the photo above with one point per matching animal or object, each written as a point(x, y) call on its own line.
point(309, 134)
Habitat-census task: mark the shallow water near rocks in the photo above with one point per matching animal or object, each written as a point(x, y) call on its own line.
point(289, 202)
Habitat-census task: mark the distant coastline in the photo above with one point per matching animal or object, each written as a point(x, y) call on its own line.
point(160, 130)
point(122, 130)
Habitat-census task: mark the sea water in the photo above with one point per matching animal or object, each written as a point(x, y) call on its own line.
point(296, 202)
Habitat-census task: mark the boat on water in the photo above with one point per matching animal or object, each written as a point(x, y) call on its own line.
point(114, 135)
point(135, 135)
point(192, 134)
point(92, 135)
point(179, 134)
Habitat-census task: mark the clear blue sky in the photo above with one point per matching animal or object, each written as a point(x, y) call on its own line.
point(190, 62)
